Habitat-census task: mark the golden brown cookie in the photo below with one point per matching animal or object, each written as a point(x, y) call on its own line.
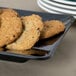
point(33, 25)
point(52, 28)
point(8, 12)
point(28, 52)
point(1, 49)
point(10, 29)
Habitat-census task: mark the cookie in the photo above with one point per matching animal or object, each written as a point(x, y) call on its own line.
point(1, 49)
point(28, 52)
point(8, 13)
point(10, 29)
point(33, 25)
point(52, 28)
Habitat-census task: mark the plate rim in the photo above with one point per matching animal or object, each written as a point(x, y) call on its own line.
point(60, 5)
point(46, 9)
point(57, 9)
point(66, 2)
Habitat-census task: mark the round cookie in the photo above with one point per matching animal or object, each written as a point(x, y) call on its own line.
point(33, 25)
point(52, 28)
point(8, 13)
point(10, 29)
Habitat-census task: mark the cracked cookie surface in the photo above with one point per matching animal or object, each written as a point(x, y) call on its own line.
point(52, 28)
point(10, 28)
point(33, 25)
point(8, 13)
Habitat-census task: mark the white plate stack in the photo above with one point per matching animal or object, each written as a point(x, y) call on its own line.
point(58, 6)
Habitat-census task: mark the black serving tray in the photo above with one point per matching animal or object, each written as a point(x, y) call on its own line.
point(41, 45)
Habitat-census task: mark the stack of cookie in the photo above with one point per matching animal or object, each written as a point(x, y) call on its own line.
point(19, 34)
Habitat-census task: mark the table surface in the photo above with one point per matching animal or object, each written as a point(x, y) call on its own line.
point(62, 64)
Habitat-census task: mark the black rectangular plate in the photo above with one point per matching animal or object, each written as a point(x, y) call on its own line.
point(68, 21)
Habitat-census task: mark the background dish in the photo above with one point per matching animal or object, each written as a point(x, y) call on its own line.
point(47, 9)
point(60, 5)
point(65, 2)
point(60, 10)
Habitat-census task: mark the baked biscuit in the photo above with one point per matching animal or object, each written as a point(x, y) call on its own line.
point(10, 29)
point(52, 28)
point(8, 13)
point(33, 25)
point(28, 52)
point(1, 49)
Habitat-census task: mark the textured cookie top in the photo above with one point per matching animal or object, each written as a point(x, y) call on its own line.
point(8, 13)
point(52, 28)
point(32, 27)
point(34, 21)
point(10, 26)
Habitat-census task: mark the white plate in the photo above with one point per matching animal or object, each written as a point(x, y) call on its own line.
point(60, 5)
point(65, 2)
point(57, 9)
point(46, 9)
point(74, 17)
